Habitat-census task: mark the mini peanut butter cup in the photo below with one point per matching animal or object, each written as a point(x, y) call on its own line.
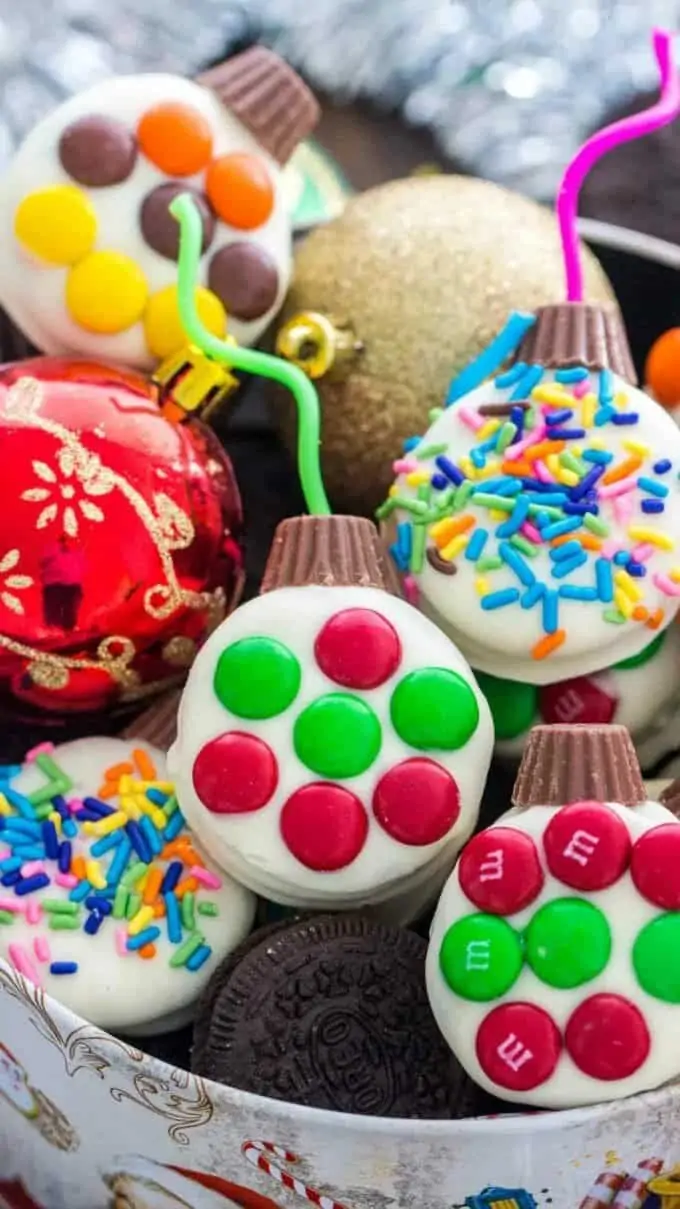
point(568, 334)
point(670, 798)
point(268, 97)
point(563, 764)
point(330, 552)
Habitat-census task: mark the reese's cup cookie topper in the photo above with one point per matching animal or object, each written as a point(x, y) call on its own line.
point(551, 967)
point(332, 743)
point(538, 518)
point(89, 248)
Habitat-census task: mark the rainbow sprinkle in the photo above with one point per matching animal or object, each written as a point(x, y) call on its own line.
point(539, 479)
point(130, 866)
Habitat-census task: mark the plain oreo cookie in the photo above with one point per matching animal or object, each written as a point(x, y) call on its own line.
point(330, 1012)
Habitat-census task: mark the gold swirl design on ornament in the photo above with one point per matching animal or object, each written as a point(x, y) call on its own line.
point(168, 527)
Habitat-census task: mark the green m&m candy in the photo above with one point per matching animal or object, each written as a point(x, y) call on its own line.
point(480, 957)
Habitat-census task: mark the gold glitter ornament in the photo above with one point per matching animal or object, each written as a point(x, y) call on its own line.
point(390, 300)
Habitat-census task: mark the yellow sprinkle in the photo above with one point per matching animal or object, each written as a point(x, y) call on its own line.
point(141, 882)
point(88, 828)
point(93, 872)
point(553, 463)
point(112, 822)
point(621, 400)
point(674, 575)
point(140, 920)
point(125, 785)
point(394, 490)
point(486, 472)
point(627, 585)
point(638, 447)
point(467, 467)
point(482, 586)
point(588, 408)
point(57, 820)
point(488, 429)
point(417, 477)
point(453, 549)
point(5, 808)
point(161, 786)
point(551, 393)
point(641, 533)
point(577, 450)
point(623, 604)
point(154, 812)
point(497, 516)
point(568, 477)
point(598, 443)
point(129, 806)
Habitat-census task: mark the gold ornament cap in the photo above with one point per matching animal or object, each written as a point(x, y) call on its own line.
point(330, 552)
point(568, 334)
point(579, 763)
point(268, 97)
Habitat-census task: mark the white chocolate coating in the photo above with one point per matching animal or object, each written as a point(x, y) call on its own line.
point(500, 640)
point(121, 994)
point(627, 913)
point(250, 845)
point(33, 292)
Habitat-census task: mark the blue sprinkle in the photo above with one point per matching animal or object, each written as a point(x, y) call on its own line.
point(70, 828)
point(100, 808)
point(478, 458)
point(511, 376)
point(568, 550)
point(404, 542)
point(398, 557)
point(560, 570)
point(573, 509)
point(636, 569)
point(542, 519)
point(550, 611)
point(61, 808)
point(50, 840)
point(662, 466)
point(439, 482)
point(173, 919)
point(80, 892)
point(606, 388)
point(497, 600)
point(9, 771)
point(172, 876)
point(601, 457)
point(410, 444)
point(11, 864)
point(574, 592)
point(517, 418)
point(576, 374)
point(567, 434)
point(447, 467)
point(156, 795)
point(533, 595)
point(65, 853)
point(139, 841)
point(604, 579)
point(119, 863)
point(527, 383)
point(558, 417)
point(198, 958)
point(621, 558)
point(93, 923)
point(29, 884)
point(559, 528)
point(653, 506)
point(64, 967)
point(625, 417)
point(587, 482)
point(22, 827)
point(106, 843)
point(10, 879)
point(174, 827)
point(491, 358)
point(513, 559)
point(476, 544)
point(145, 937)
point(96, 903)
point(652, 487)
point(506, 485)
point(516, 519)
point(87, 816)
point(555, 498)
point(151, 835)
point(537, 485)
point(30, 852)
point(20, 803)
point(603, 416)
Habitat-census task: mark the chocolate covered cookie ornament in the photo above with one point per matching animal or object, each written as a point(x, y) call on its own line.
point(88, 247)
point(552, 967)
point(537, 520)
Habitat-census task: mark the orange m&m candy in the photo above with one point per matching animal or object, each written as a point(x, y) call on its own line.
point(240, 190)
point(176, 138)
point(662, 368)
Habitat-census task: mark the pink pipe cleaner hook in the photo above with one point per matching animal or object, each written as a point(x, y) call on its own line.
point(623, 131)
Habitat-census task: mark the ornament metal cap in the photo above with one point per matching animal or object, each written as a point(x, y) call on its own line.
point(567, 334)
point(330, 552)
point(563, 764)
point(268, 97)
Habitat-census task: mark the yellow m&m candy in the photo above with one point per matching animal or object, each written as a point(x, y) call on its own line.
point(163, 327)
point(106, 293)
point(57, 224)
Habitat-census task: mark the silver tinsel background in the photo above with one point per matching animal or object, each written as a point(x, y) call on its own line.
point(508, 86)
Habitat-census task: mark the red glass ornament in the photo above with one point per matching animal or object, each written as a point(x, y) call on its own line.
point(119, 536)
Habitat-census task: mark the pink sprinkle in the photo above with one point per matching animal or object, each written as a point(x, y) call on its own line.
point(610, 548)
point(66, 880)
point(42, 949)
point(4, 853)
point(41, 749)
point(580, 389)
point(411, 590)
point(643, 552)
point(666, 585)
point(205, 877)
point(542, 473)
point(531, 532)
point(121, 942)
point(74, 805)
point(612, 490)
point(512, 454)
point(623, 508)
point(33, 911)
point(22, 962)
point(405, 466)
point(12, 904)
point(470, 418)
point(32, 867)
